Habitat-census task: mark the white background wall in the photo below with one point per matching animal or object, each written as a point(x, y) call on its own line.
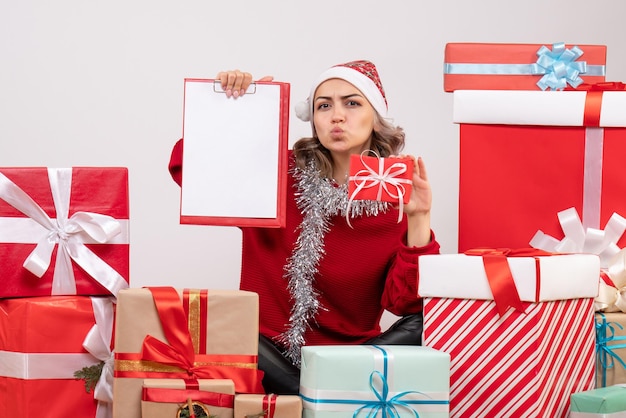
point(100, 83)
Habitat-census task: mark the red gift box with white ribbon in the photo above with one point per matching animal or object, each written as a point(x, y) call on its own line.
point(526, 156)
point(44, 341)
point(63, 231)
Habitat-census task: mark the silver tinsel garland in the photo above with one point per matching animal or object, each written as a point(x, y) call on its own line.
point(319, 200)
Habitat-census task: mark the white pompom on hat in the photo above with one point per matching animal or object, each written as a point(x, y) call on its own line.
point(361, 74)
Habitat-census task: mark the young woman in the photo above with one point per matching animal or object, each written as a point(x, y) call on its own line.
point(320, 280)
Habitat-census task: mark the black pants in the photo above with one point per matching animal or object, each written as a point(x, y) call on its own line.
point(283, 378)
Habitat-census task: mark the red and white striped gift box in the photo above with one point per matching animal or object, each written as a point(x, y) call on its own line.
point(524, 363)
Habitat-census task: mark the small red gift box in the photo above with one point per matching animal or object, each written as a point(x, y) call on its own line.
point(493, 66)
point(63, 231)
point(382, 179)
point(166, 398)
point(44, 341)
point(527, 156)
point(268, 406)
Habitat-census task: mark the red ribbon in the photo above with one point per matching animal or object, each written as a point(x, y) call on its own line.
point(593, 101)
point(269, 405)
point(179, 353)
point(499, 274)
point(222, 400)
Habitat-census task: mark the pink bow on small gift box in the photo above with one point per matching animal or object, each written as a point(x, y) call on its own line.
point(381, 179)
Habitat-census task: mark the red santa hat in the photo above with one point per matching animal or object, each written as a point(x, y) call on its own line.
point(361, 74)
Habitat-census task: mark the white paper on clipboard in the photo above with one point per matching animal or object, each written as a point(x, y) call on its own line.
point(234, 154)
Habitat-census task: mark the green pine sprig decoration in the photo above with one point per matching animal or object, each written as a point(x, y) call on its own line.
point(198, 411)
point(91, 375)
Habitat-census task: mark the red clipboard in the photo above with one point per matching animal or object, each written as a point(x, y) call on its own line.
point(234, 155)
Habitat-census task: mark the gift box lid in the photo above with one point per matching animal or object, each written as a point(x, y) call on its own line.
point(552, 108)
point(502, 66)
point(604, 400)
point(538, 279)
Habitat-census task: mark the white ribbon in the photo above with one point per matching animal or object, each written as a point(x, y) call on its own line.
point(384, 179)
point(577, 239)
point(32, 366)
point(68, 233)
point(603, 243)
point(98, 344)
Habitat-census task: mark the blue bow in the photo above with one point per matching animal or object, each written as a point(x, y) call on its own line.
point(384, 405)
point(605, 352)
point(558, 67)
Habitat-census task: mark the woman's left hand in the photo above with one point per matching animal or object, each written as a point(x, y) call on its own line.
point(418, 207)
point(421, 194)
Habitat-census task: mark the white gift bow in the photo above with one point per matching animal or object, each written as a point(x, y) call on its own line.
point(368, 177)
point(66, 232)
point(98, 344)
point(577, 239)
point(613, 298)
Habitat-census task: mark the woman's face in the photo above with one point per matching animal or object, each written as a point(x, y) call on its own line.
point(343, 117)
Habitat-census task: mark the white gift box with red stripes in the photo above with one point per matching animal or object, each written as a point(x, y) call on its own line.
point(523, 362)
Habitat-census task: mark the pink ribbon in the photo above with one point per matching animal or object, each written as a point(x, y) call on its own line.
point(388, 180)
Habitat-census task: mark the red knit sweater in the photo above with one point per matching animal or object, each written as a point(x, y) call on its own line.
point(365, 269)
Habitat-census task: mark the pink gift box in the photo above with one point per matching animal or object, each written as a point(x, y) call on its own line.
point(63, 231)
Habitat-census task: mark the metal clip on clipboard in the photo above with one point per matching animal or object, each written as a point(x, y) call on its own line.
point(217, 87)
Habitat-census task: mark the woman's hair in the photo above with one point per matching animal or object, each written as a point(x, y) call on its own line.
point(387, 140)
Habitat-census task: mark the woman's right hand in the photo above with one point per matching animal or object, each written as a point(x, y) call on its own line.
point(235, 82)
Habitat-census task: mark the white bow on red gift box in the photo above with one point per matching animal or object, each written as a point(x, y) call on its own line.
point(70, 233)
point(577, 239)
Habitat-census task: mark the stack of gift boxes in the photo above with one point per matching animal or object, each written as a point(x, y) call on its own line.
point(64, 255)
point(519, 309)
point(75, 340)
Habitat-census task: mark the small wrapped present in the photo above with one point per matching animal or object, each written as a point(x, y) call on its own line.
point(547, 152)
point(382, 179)
point(268, 406)
point(162, 332)
point(493, 66)
point(63, 231)
point(518, 327)
point(173, 398)
point(611, 348)
point(608, 402)
point(55, 356)
point(341, 381)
